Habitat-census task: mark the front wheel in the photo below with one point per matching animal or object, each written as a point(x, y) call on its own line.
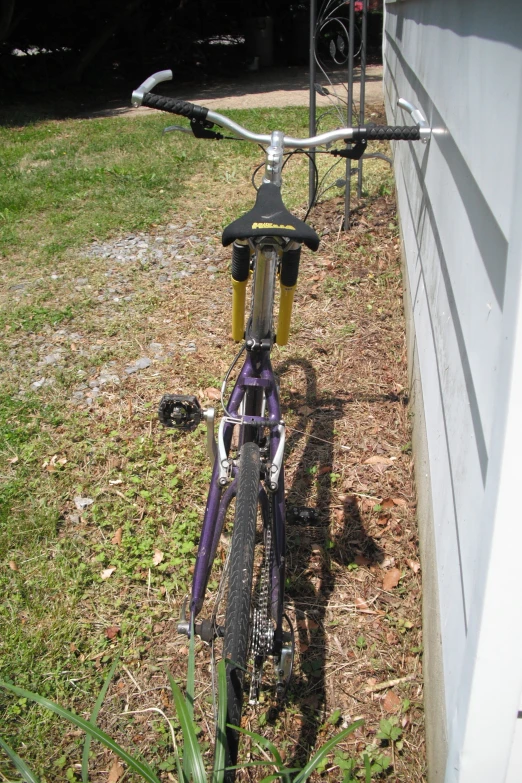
point(238, 621)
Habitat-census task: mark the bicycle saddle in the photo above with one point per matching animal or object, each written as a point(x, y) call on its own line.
point(270, 217)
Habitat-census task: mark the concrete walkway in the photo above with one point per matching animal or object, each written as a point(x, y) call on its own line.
point(263, 89)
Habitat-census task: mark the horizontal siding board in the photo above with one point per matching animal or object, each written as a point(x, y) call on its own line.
point(461, 63)
point(453, 623)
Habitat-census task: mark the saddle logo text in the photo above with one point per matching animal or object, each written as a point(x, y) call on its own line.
point(271, 225)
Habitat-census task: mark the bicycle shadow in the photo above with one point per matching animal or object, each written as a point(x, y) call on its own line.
point(310, 550)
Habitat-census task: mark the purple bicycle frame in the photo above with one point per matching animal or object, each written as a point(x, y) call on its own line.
point(256, 372)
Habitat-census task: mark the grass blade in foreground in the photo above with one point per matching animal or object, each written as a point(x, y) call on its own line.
point(191, 749)
point(191, 682)
point(322, 752)
point(367, 769)
point(141, 767)
point(94, 716)
point(191, 672)
point(218, 770)
point(264, 744)
point(27, 775)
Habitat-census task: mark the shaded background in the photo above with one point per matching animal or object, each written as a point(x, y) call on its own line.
point(59, 45)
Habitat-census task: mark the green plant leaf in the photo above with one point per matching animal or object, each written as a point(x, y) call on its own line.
point(189, 698)
point(27, 774)
point(191, 671)
point(94, 716)
point(367, 768)
point(322, 752)
point(218, 771)
point(334, 717)
point(191, 751)
point(141, 767)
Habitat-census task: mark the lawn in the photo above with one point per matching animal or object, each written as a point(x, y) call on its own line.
point(109, 237)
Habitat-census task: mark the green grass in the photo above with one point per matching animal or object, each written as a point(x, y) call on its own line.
point(63, 184)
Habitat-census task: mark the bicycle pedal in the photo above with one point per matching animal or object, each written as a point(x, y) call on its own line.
point(182, 411)
point(301, 515)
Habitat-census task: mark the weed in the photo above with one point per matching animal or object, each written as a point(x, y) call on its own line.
point(33, 318)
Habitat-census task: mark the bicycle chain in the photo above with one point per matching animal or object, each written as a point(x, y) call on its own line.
point(262, 628)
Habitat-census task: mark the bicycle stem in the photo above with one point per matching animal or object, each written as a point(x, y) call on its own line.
point(274, 159)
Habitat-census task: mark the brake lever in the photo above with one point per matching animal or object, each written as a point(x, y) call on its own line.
point(180, 128)
point(203, 130)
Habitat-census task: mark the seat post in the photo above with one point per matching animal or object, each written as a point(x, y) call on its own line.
point(266, 260)
point(274, 159)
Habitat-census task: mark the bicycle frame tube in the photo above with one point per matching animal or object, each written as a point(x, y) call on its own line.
point(256, 371)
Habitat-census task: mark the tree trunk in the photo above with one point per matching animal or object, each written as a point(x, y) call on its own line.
point(99, 40)
point(6, 17)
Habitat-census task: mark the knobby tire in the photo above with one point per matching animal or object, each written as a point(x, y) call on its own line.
point(239, 610)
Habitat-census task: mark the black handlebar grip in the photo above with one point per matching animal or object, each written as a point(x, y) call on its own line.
point(387, 133)
point(175, 106)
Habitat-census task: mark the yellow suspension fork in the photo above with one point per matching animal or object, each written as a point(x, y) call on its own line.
point(240, 273)
point(287, 285)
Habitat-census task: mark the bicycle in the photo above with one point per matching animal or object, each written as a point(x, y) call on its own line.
point(248, 618)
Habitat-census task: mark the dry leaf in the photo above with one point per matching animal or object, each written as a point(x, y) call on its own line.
point(312, 625)
point(348, 500)
point(158, 557)
point(361, 604)
point(112, 631)
point(13, 460)
point(392, 638)
point(388, 503)
point(303, 647)
point(378, 459)
point(413, 565)
point(116, 539)
point(324, 469)
point(400, 501)
point(361, 560)
point(212, 394)
point(391, 579)
point(107, 572)
point(305, 410)
point(392, 702)
point(383, 519)
point(13, 566)
point(115, 772)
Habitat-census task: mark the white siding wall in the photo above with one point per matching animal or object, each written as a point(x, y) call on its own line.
point(460, 204)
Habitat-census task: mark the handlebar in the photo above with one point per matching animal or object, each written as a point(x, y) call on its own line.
point(199, 114)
